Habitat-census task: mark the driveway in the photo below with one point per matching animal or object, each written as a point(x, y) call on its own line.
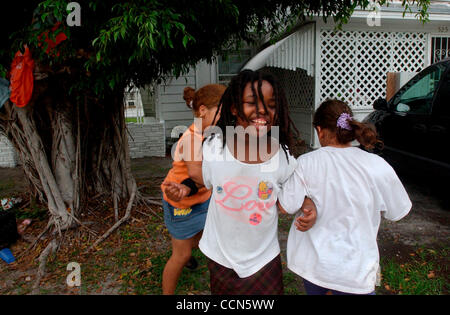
point(427, 224)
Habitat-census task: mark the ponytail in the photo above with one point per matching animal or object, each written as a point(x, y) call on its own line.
point(337, 117)
point(188, 96)
point(365, 134)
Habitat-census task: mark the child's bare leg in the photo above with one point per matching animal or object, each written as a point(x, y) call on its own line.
point(196, 239)
point(181, 252)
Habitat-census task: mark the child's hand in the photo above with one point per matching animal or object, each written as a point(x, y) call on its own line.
point(175, 191)
point(307, 220)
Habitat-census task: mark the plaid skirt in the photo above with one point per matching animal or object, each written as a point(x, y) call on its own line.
point(267, 281)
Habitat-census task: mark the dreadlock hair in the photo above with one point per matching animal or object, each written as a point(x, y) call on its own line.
point(233, 97)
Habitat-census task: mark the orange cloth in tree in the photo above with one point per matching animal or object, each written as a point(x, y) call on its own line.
point(22, 80)
point(51, 44)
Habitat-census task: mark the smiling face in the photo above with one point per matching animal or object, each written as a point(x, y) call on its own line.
point(253, 108)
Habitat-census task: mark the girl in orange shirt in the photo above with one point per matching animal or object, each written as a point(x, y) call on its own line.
point(185, 218)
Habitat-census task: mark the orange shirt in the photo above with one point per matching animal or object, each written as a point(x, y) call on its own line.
point(189, 147)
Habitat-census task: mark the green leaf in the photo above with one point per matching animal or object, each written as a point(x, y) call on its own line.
point(185, 40)
point(3, 71)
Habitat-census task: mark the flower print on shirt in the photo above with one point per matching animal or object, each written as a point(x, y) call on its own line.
point(246, 199)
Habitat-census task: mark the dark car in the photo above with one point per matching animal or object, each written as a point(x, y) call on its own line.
point(414, 124)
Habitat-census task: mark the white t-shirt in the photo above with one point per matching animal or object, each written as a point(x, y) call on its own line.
point(350, 188)
point(242, 223)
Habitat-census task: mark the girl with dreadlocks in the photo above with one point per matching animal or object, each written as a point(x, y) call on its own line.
point(246, 161)
point(350, 188)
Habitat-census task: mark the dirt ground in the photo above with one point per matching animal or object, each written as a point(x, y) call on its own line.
point(427, 225)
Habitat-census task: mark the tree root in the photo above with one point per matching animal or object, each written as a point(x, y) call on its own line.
point(49, 225)
point(50, 249)
point(152, 201)
point(146, 201)
point(118, 223)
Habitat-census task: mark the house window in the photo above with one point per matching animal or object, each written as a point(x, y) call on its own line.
point(440, 48)
point(229, 65)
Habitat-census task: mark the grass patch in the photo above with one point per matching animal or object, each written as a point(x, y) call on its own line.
point(128, 234)
point(147, 280)
point(6, 187)
point(424, 274)
point(34, 211)
point(195, 282)
point(291, 283)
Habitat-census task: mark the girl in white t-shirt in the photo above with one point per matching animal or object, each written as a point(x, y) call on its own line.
point(350, 188)
point(245, 164)
point(246, 168)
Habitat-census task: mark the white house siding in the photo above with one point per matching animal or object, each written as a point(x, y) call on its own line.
point(296, 51)
point(170, 103)
point(8, 154)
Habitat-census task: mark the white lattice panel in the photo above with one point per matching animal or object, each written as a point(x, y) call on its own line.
point(354, 64)
point(299, 90)
point(298, 87)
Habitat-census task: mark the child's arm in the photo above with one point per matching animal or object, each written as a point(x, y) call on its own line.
point(293, 197)
point(195, 171)
point(308, 219)
point(392, 198)
point(193, 160)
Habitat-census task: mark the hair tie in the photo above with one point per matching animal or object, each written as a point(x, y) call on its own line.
point(343, 120)
point(191, 103)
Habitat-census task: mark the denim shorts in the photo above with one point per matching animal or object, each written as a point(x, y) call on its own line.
point(185, 223)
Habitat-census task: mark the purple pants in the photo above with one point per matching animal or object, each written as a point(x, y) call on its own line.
point(313, 289)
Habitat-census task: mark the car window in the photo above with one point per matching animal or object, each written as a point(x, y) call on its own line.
point(417, 95)
point(442, 103)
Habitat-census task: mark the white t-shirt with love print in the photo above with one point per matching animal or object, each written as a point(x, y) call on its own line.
point(242, 223)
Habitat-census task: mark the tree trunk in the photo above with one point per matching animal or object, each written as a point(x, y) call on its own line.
point(70, 149)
